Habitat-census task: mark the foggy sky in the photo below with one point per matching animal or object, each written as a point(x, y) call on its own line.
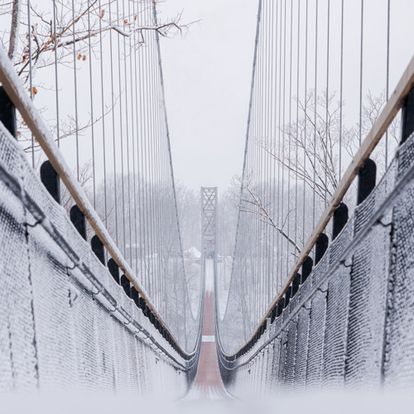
point(207, 75)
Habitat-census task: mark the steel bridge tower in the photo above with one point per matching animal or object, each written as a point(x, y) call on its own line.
point(209, 222)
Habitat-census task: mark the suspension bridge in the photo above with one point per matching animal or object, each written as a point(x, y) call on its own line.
point(94, 292)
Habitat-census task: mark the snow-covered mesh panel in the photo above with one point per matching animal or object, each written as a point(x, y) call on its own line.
point(405, 157)
point(369, 277)
point(282, 357)
point(341, 242)
point(321, 269)
point(269, 367)
point(64, 322)
point(286, 314)
point(364, 212)
point(263, 365)
point(291, 351)
point(54, 318)
point(306, 287)
point(18, 354)
point(302, 347)
point(336, 327)
point(399, 348)
point(277, 347)
point(316, 338)
point(353, 314)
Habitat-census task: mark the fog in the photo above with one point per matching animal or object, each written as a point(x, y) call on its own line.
point(317, 402)
point(207, 74)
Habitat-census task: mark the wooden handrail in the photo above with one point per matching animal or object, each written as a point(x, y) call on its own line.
point(21, 100)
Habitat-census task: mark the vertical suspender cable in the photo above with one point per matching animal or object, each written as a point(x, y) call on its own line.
point(283, 126)
point(55, 41)
point(30, 71)
point(114, 152)
point(103, 115)
point(279, 146)
point(315, 114)
point(387, 85)
point(273, 160)
point(341, 88)
point(305, 123)
point(361, 69)
point(134, 103)
point(75, 85)
point(289, 136)
point(152, 161)
point(121, 131)
point(297, 138)
point(91, 105)
point(327, 126)
point(127, 89)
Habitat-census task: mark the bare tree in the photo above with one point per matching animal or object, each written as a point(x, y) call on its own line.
point(50, 33)
point(316, 148)
point(53, 31)
point(85, 177)
point(258, 207)
point(320, 141)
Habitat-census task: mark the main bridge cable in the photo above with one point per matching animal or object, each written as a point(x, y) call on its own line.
point(245, 173)
point(245, 157)
point(170, 174)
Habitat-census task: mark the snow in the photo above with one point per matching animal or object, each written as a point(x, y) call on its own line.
point(193, 252)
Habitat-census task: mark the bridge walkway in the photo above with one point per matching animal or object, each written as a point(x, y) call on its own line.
point(208, 383)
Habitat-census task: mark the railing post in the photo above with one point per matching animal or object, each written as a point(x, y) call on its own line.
point(98, 248)
point(407, 116)
point(113, 270)
point(366, 180)
point(340, 218)
point(280, 306)
point(321, 247)
point(50, 180)
point(287, 296)
point(135, 296)
point(126, 285)
point(306, 268)
point(78, 220)
point(141, 303)
point(296, 284)
point(273, 314)
point(7, 112)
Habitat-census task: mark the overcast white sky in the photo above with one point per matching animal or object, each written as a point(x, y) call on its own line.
point(207, 80)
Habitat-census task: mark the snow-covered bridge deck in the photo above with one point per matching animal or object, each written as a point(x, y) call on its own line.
point(208, 384)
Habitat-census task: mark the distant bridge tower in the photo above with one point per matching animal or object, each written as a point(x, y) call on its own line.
point(208, 221)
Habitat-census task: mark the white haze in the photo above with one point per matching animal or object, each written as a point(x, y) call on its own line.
point(207, 75)
point(292, 403)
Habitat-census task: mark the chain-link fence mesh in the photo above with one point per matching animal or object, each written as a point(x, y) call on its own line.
point(64, 322)
point(351, 320)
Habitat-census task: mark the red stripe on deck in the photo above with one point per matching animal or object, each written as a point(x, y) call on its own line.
point(208, 379)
